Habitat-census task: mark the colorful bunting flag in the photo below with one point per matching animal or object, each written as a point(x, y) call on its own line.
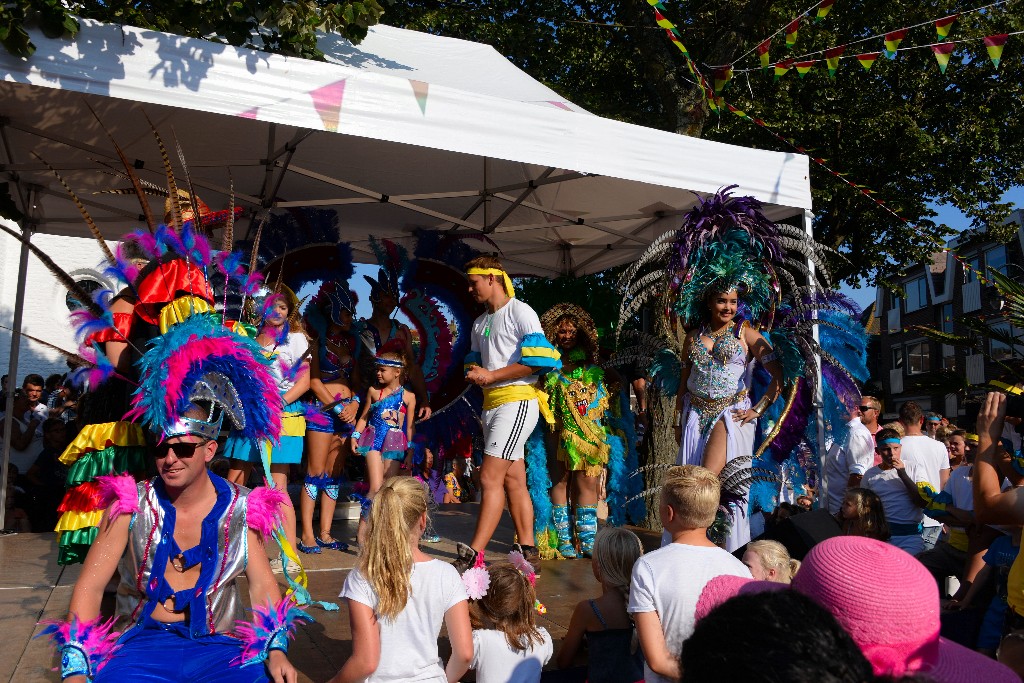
point(762, 52)
point(802, 68)
point(663, 22)
point(867, 60)
point(942, 52)
point(791, 32)
point(782, 67)
point(656, 4)
point(678, 43)
point(994, 45)
point(942, 26)
point(824, 7)
point(832, 59)
point(327, 101)
point(721, 75)
point(892, 41)
point(420, 89)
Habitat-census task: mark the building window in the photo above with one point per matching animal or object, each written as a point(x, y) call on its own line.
point(89, 286)
point(894, 301)
point(1000, 350)
point(995, 259)
point(917, 294)
point(919, 358)
point(972, 264)
point(946, 320)
point(897, 357)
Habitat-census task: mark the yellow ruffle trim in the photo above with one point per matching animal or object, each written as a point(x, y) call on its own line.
point(73, 520)
point(99, 437)
point(180, 310)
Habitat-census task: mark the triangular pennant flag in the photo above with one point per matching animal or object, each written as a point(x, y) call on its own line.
point(721, 75)
point(419, 89)
point(249, 113)
point(656, 3)
point(660, 19)
point(327, 101)
point(942, 26)
point(824, 7)
point(803, 67)
point(832, 59)
point(762, 52)
point(994, 45)
point(678, 43)
point(893, 40)
point(782, 67)
point(791, 32)
point(739, 112)
point(867, 60)
point(942, 52)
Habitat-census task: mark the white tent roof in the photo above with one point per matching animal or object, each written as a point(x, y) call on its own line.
point(406, 130)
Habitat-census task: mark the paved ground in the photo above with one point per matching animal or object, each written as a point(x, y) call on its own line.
point(33, 587)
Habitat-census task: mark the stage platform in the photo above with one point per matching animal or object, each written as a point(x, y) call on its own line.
point(33, 587)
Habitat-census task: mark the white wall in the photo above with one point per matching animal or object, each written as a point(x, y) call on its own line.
point(46, 311)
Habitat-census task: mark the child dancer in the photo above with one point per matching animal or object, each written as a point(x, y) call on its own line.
point(603, 622)
point(385, 430)
point(508, 646)
point(398, 596)
point(862, 515)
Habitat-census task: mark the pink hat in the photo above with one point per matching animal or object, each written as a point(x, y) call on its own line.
point(885, 599)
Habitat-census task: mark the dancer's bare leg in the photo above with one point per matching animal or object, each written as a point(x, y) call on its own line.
point(493, 473)
point(239, 472)
point(716, 449)
point(318, 443)
point(519, 504)
point(333, 468)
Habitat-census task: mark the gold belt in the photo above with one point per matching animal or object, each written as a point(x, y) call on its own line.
point(708, 409)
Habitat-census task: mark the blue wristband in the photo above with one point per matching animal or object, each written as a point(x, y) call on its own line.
point(73, 661)
point(356, 435)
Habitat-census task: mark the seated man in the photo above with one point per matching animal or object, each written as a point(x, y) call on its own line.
point(181, 539)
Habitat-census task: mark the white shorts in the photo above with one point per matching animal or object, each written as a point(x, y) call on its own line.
point(507, 427)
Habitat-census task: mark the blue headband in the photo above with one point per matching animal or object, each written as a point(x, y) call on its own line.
point(888, 441)
point(388, 363)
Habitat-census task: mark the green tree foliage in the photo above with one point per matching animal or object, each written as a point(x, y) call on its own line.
point(903, 129)
point(283, 26)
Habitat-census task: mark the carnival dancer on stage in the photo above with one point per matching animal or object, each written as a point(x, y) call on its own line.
point(381, 329)
point(579, 400)
point(509, 349)
point(330, 379)
point(181, 539)
point(385, 429)
point(284, 343)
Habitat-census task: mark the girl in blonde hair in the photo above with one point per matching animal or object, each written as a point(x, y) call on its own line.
point(603, 622)
point(770, 561)
point(398, 597)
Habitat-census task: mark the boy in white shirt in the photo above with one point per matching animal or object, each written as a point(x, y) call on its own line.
point(895, 482)
point(666, 583)
point(931, 458)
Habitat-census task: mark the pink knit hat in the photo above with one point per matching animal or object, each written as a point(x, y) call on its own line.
point(885, 599)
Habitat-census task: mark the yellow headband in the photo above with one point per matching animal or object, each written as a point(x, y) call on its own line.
point(495, 271)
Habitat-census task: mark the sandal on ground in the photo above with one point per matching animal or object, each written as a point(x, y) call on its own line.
point(330, 545)
point(309, 549)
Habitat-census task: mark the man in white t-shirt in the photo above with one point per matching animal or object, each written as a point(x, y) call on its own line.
point(846, 462)
point(509, 350)
point(667, 582)
point(895, 483)
point(949, 556)
point(931, 458)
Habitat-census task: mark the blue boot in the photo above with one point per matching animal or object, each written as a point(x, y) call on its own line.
point(312, 485)
point(586, 528)
point(560, 514)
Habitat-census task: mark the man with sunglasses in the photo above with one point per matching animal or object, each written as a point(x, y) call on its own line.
point(846, 462)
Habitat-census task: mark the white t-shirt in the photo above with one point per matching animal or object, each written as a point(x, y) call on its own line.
point(896, 502)
point(930, 456)
point(408, 645)
point(508, 325)
point(854, 456)
point(285, 356)
point(669, 581)
point(959, 486)
point(26, 458)
point(495, 662)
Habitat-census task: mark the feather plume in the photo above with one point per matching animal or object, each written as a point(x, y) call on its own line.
point(172, 186)
point(228, 238)
point(95, 637)
point(69, 282)
point(147, 211)
point(93, 228)
point(119, 493)
point(268, 624)
point(192, 196)
point(264, 510)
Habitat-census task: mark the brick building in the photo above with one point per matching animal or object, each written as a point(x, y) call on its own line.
point(939, 294)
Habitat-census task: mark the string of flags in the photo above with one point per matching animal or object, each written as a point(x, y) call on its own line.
point(717, 103)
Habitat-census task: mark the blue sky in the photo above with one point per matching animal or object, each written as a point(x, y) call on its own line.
point(948, 215)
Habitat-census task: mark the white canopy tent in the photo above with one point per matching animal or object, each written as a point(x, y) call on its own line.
point(404, 131)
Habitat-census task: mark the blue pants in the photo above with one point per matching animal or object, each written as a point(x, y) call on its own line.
point(166, 653)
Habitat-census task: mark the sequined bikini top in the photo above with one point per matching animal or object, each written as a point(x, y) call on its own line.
point(331, 366)
point(720, 371)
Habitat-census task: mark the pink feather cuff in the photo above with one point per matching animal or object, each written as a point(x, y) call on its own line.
point(120, 493)
point(270, 629)
point(84, 646)
point(263, 511)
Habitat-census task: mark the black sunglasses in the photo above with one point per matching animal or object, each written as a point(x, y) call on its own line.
point(184, 449)
point(863, 408)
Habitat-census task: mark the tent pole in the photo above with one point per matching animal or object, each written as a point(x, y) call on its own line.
point(819, 416)
point(12, 366)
